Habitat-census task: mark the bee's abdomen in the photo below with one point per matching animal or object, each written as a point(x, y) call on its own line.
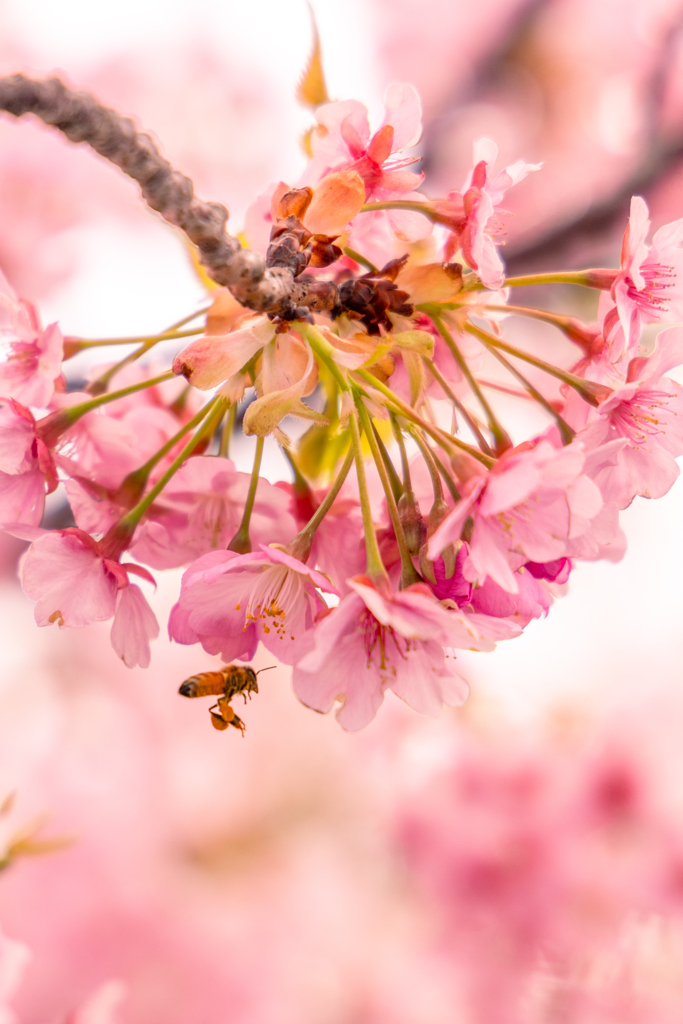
point(204, 684)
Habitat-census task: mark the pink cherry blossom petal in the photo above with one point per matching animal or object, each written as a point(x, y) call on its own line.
point(404, 113)
point(68, 580)
point(134, 625)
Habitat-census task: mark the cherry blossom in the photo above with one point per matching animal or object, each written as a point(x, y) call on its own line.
point(34, 356)
point(343, 140)
point(211, 360)
point(649, 285)
point(74, 583)
point(27, 470)
point(201, 510)
point(229, 602)
point(527, 509)
point(474, 215)
point(647, 412)
point(375, 640)
point(348, 340)
point(531, 601)
point(288, 372)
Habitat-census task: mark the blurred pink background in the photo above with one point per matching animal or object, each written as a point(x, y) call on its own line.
point(518, 860)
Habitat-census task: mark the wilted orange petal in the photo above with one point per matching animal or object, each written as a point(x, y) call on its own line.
point(431, 282)
point(336, 201)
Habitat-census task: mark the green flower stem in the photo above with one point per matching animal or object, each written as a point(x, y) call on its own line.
point(241, 542)
point(585, 278)
point(401, 204)
point(300, 546)
point(405, 465)
point(374, 566)
point(436, 433)
point(566, 432)
point(118, 537)
point(323, 350)
point(168, 335)
point(600, 279)
point(55, 423)
point(212, 412)
point(360, 259)
point(228, 428)
point(394, 479)
point(409, 574)
point(329, 499)
point(556, 319)
point(494, 385)
point(98, 386)
point(111, 396)
point(134, 484)
point(590, 392)
point(450, 483)
point(101, 383)
point(501, 436)
point(471, 423)
point(75, 345)
point(430, 460)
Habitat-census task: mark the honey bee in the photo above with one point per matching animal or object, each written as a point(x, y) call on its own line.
point(226, 683)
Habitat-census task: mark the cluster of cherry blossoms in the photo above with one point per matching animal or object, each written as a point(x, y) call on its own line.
point(412, 526)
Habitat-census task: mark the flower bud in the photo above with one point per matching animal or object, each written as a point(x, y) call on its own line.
point(427, 566)
point(412, 521)
point(437, 514)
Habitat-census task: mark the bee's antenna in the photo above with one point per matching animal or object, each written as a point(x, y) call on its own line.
point(265, 669)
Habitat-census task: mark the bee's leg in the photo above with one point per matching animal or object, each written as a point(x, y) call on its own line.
point(228, 715)
point(217, 721)
point(238, 723)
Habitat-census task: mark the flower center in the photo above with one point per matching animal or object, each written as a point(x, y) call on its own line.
point(382, 642)
point(638, 420)
point(276, 592)
point(658, 278)
point(517, 516)
point(21, 356)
